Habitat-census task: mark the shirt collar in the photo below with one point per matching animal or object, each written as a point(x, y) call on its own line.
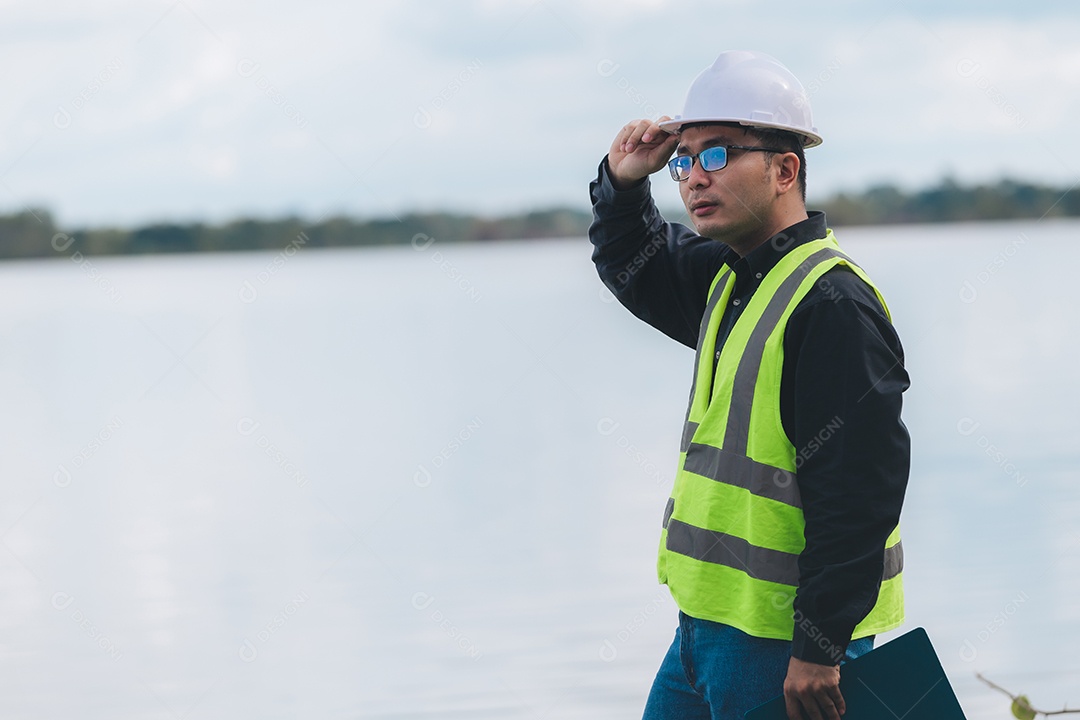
point(763, 258)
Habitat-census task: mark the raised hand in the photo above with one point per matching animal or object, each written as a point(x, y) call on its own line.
point(640, 149)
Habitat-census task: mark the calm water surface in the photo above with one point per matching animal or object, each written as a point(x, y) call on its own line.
point(402, 483)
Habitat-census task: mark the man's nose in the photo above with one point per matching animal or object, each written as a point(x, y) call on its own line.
point(698, 176)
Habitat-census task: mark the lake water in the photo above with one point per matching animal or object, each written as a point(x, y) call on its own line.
point(427, 482)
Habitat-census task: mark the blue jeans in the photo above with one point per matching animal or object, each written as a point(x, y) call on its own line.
point(714, 672)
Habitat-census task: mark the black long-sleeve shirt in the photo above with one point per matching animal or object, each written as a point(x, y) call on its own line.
point(840, 393)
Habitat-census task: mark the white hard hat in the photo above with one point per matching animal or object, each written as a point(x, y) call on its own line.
point(749, 88)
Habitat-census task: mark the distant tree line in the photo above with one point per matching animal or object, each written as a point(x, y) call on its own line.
point(951, 202)
point(33, 232)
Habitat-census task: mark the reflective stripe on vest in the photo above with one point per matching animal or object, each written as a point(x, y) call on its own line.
point(733, 529)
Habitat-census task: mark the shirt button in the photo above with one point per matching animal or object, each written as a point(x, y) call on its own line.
point(736, 301)
point(758, 276)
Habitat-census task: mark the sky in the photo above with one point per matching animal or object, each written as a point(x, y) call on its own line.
point(123, 113)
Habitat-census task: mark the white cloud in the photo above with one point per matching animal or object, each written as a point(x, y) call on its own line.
point(519, 109)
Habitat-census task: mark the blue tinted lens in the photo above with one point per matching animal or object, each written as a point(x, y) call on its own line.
point(713, 159)
point(680, 166)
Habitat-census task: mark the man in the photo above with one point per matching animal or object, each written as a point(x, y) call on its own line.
point(780, 542)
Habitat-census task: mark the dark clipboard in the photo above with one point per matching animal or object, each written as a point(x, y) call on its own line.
point(901, 679)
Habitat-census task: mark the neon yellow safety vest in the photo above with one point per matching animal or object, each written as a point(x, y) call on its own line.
point(733, 528)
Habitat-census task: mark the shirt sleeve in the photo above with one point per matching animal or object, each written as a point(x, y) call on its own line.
point(659, 271)
point(846, 369)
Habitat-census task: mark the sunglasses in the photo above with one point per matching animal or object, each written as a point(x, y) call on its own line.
point(711, 159)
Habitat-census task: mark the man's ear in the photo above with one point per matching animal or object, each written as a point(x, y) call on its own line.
point(787, 172)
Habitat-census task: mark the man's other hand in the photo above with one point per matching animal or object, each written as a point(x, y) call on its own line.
point(640, 149)
point(813, 691)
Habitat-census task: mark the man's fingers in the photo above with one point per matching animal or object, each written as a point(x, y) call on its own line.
point(642, 132)
point(838, 700)
point(814, 689)
point(620, 139)
point(639, 149)
point(656, 134)
point(624, 136)
point(634, 137)
point(646, 132)
point(810, 707)
point(823, 706)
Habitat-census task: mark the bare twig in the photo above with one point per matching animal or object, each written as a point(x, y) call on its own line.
point(1024, 700)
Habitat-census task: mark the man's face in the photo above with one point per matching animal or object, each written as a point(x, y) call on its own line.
point(734, 202)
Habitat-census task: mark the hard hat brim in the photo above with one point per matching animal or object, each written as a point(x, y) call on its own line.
point(810, 139)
